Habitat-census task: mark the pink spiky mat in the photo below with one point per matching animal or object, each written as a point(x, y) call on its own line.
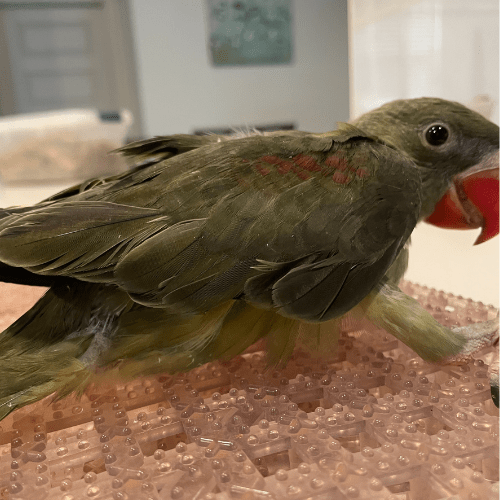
point(372, 421)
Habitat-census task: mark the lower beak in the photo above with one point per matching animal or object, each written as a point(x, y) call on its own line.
point(472, 201)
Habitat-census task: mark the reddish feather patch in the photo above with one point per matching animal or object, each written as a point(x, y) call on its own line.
point(262, 170)
point(340, 178)
point(336, 162)
point(285, 167)
point(307, 163)
point(301, 165)
point(272, 160)
point(302, 175)
point(362, 173)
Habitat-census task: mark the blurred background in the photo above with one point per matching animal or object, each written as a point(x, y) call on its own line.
point(80, 78)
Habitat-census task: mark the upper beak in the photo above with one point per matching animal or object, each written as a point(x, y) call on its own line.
point(472, 200)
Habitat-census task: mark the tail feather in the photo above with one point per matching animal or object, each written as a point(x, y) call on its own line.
point(47, 350)
point(29, 377)
point(63, 310)
point(41, 353)
point(242, 327)
point(183, 343)
point(319, 338)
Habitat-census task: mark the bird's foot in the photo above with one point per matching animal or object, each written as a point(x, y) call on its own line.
point(477, 337)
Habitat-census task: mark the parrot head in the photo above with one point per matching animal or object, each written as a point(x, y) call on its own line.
point(456, 151)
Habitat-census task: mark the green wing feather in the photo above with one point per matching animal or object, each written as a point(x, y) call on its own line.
point(187, 233)
point(300, 225)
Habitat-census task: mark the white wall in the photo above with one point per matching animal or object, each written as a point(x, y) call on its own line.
point(441, 48)
point(180, 90)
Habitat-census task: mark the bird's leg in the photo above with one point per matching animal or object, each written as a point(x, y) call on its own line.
point(478, 335)
point(403, 317)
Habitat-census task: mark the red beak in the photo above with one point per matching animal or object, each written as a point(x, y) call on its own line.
point(472, 201)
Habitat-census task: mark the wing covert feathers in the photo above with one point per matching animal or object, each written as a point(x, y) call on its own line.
point(205, 247)
point(81, 239)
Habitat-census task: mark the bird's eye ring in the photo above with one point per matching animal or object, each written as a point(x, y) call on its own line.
point(436, 134)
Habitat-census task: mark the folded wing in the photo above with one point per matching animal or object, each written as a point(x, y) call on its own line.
point(304, 224)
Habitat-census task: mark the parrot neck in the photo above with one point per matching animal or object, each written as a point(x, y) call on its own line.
point(433, 190)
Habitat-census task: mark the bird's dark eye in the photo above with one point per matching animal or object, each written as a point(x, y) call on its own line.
point(436, 135)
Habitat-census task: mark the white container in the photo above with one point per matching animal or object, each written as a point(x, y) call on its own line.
point(61, 146)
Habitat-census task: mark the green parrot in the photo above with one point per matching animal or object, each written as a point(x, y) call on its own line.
point(211, 243)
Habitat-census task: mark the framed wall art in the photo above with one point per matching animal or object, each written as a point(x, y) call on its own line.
point(250, 32)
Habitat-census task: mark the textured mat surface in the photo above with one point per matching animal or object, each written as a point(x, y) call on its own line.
point(371, 421)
